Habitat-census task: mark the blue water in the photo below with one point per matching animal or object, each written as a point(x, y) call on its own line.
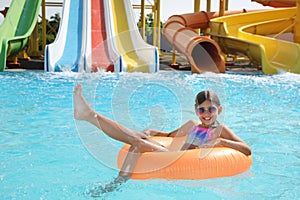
point(46, 154)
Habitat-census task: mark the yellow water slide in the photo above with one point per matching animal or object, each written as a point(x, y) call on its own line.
point(255, 35)
point(135, 54)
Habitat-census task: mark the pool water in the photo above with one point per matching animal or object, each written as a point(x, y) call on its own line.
point(46, 154)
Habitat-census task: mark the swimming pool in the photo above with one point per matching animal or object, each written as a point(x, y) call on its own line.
point(45, 154)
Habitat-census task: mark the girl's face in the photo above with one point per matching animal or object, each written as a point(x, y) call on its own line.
point(208, 112)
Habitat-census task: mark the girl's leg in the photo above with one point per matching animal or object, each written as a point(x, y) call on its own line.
point(124, 174)
point(139, 141)
point(83, 111)
point(129, 162)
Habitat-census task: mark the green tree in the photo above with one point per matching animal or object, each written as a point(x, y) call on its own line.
point(51, 29)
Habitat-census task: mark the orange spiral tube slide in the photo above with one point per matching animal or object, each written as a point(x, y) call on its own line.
point(193, 164)
point(203, 53)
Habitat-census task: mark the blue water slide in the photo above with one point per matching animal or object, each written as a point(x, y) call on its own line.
point(65, 53)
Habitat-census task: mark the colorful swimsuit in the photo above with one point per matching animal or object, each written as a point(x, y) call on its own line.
point(198, 135)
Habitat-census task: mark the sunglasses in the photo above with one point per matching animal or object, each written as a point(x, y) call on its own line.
point(211, 110)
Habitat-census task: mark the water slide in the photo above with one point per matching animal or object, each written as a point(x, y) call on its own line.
point(99, 35)
point(249, 34)
point(68, 48)
point(136, 54)
point(17, 26)
point(203, 53)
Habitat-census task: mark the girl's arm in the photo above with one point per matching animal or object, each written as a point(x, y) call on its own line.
point(229, 139)
point(182, 131)
point(151, 132)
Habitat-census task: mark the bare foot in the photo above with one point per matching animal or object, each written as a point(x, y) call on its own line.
point(82, 110)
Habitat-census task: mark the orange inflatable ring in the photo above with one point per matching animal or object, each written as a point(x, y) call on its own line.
point(202, 163)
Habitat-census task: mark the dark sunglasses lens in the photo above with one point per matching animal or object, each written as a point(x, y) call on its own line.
point(212, 109)
point(201, 110)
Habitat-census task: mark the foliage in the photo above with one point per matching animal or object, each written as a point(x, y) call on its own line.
point(149, 24)
point(51, 29)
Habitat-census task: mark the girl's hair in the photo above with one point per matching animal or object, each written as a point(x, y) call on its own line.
point(207, 95)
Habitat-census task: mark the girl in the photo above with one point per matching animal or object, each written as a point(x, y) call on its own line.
point(206, 134)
